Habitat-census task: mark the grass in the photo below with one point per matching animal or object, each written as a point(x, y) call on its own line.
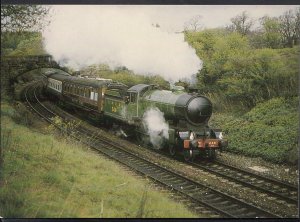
point(43, 176)
point(269, 130)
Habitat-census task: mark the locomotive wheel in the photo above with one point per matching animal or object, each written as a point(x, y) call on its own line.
point(212, 155)
point(142, 139)
point(188, 155)
point(172, 150)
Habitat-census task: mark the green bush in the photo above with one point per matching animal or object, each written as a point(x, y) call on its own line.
point(22, 116)
point(270, 130)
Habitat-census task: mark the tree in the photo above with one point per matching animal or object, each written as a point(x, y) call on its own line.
point(297, 25)
point(194, 24)
point(241, 23)
point(287, 27)
point(20, 18)
point(271, 32)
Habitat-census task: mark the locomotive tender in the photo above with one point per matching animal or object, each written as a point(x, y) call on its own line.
point(186, 114)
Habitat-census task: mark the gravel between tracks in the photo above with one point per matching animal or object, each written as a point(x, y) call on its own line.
point(279, 171)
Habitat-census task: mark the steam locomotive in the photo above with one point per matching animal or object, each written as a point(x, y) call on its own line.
point(186, 115)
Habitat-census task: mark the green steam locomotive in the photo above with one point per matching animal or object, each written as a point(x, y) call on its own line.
point(173, 120)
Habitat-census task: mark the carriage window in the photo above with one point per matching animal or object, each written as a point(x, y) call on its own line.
point(92, 95)
point(96, 97)
point(133, 97)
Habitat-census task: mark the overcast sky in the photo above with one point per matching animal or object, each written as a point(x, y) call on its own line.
point(172, 18)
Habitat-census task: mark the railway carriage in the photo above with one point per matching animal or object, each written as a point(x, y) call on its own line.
point(187, 114)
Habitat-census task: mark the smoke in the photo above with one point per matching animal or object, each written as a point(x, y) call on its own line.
point(156, 126)
point(79, 36)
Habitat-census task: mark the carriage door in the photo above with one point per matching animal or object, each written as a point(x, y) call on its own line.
point(133, 104)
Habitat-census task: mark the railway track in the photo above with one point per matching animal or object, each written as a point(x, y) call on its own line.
point(199, 193)
point(280, 190)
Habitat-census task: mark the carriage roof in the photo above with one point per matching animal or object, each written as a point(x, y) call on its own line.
point(63, 76)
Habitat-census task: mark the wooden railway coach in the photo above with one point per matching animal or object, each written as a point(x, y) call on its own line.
point(101, 96)
point(86, 93)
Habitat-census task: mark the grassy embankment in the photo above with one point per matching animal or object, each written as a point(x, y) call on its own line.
point(43, 176)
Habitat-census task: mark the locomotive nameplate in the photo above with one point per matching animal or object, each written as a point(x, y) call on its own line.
point(213, 143)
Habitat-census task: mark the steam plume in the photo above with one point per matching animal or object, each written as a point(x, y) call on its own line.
point(156, 126)
point(83, 35)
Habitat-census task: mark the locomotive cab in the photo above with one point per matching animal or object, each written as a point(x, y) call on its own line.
point(134, 96)
point(132, 105)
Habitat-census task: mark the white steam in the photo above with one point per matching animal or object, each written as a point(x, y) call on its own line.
point(118, 36)
point(156, 126)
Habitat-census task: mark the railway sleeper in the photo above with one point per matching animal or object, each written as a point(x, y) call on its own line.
point(167, 177)
point(229, 207)
point(210, 195)
point(194, 191)
point(216, 200)
point(189, 187)
point(174, 181)
point(225, 202)
point(240, 211)
point(249, 215)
